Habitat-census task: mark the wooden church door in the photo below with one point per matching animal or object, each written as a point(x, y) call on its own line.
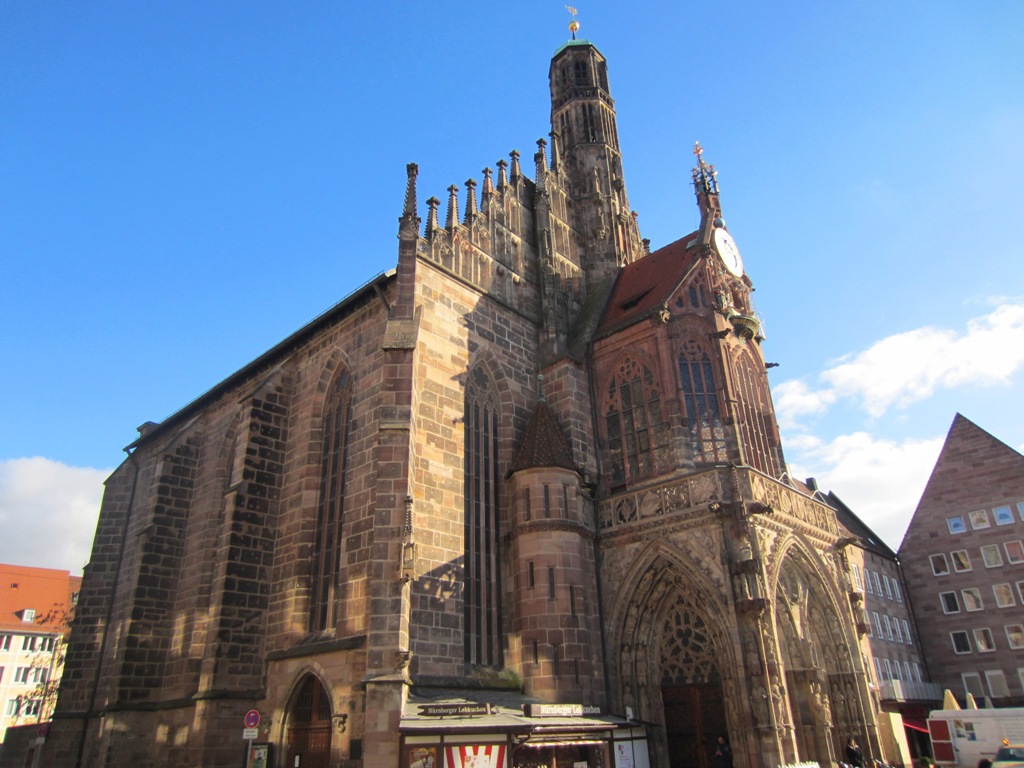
point(309, 727)
point(694, 719)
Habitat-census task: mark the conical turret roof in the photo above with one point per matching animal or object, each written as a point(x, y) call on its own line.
point(544, 443)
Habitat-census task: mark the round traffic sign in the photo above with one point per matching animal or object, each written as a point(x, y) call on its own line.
point(252, 718)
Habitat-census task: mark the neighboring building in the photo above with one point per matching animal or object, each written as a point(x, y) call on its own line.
point(963, 562)
point(35, 604)
point(536, 465)
point(889, 639)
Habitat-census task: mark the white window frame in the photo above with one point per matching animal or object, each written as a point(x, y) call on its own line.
point(888, 627)
point(974, 593)
point(1000, 690)
point(966, 558)
point(878, 624)
point(1007, 590)
point(1014, 631)
point(878, 583)
point(857, 582)
point(941, 556)
point(1003, 514)
point(991, 562)
point(979, 520)
point(966, 636)
point(867, 582)
point(888, 586)
point(977, 690)
point(986, 633)
point(906, 632)
point(942, 602)
point(896, 590)
point(1018, 551)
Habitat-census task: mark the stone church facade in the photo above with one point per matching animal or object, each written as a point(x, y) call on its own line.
point(521, 500)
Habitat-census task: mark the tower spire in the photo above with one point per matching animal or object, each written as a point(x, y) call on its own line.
point(408, 222)
point(471, 209)
point(574, 26)
point(452, 220)
point(586, 141)
point(705, 186)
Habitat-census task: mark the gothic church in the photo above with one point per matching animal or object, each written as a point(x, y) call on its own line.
point(520, 501)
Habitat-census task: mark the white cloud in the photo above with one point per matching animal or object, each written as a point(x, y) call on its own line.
point(794, 399)
point(48, 512)
point(880, 480)
point(909, 367)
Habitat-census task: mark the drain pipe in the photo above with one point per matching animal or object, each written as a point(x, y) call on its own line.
point(110, 608)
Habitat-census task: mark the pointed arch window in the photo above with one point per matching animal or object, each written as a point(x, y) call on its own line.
point(756, 420)
point(700, 399)
point(326, 555)
point(634, 422)
point(482, 573)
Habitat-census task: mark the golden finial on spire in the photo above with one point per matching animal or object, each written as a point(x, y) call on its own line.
point(698, 150)
point(574, 26)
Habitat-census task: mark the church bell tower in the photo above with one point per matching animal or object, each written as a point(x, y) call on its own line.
point(585, 133)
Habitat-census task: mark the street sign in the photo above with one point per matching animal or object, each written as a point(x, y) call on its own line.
point(251, 734)
point(252, 718)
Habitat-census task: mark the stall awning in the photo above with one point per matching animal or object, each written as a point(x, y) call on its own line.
point(915, 723)
point(451, 711)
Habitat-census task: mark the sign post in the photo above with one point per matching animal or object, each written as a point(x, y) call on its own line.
point(250, 734)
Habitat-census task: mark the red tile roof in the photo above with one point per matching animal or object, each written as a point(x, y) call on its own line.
point(46, 591)
point(647, 283)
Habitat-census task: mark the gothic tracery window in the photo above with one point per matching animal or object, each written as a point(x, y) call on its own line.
point(756, 429)
point(688, 653)
point(634, 422)
point(326, 555)
point(700, 399)
point(482, 591)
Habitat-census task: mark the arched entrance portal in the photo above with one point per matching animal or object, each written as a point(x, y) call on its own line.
point(309, 726)
point(820, 673)
point(674, 667)
point(691, 689)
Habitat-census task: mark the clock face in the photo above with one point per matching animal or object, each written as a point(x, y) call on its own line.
point(728, 252)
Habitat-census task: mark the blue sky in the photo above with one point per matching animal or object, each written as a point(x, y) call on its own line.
point(184, 184)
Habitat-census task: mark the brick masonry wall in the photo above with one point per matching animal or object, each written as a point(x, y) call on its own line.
point(975, 472)
point(459, 328)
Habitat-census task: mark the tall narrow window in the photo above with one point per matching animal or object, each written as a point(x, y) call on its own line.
point(756, 430)
point(482, 590)
point(326, 555)
point(707, 434)
point(633, 421)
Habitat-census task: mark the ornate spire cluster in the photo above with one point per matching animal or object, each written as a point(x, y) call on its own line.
point(510, 177)
point(705, 177)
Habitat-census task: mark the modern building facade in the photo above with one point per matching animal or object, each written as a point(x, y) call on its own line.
point(519, 501)
point(35, 605)
point(890, 642)
point(963, 562)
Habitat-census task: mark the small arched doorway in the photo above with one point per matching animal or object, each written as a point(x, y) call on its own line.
point(309, 726)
